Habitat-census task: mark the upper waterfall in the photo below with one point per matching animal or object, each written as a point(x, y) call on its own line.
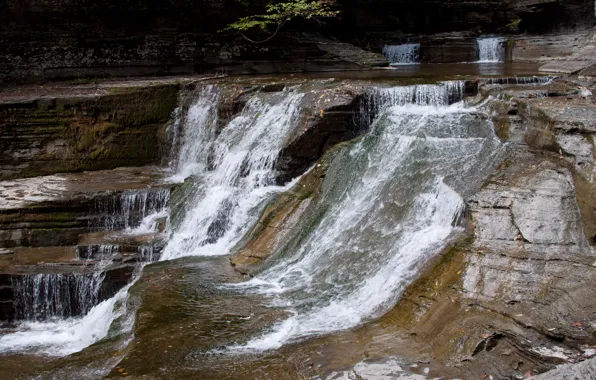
point(193, 131)
point(390, 202)
point(406, 54)
point(233, 171)
point(491, 49)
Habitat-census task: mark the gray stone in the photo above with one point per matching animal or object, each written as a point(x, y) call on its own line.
point(585, 370)
point(565, 67)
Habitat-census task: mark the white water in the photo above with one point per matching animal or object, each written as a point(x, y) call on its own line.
point(229, 192)
point(129, 209)
point(65, 337)
point(406, 54)
point(390, 202)
point(194, 133)
point(491, 49)
point(47, 296)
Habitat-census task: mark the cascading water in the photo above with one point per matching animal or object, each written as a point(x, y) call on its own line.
point(406, 54)
point(194, 132)
point(491, 49)
point(518, 80)
point(390, 201)
point(129, 209)
point(55, 295)
point(67, 336)
point(229, 191)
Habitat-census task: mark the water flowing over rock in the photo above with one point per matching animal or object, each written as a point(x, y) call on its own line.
point(368, 234)
point(55, 295)
point(193, 131)
point(491, 49)
point(406, 54)
point(378, 99)
point(129, 209)
point(243, 170)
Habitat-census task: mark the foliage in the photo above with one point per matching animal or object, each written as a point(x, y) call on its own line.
point(277, 14)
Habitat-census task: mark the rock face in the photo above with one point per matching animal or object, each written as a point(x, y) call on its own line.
point(583, 370)
point(42, 40)
point(102, 128)
point(166, 37)
point(515, 294)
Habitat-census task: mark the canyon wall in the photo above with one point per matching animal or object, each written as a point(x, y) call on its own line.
point(85, 38)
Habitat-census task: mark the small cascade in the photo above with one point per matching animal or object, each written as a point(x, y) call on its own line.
point(406, 54)
point(390, 202)
point(129, 209)
point(66, 336)
point(229, 192)
point(378, 99)
point(518, 80)
point(48, 296)
point(149, 254)
point(491, 49)
point(102, 253)
point(191, 146)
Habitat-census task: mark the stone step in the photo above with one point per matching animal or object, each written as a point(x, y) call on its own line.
point(121, 246)
point(41, 282)
point(55, 210)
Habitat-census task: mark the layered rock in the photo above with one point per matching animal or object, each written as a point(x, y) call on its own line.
point(82, 39)
point(100, 128)
point(513, 295)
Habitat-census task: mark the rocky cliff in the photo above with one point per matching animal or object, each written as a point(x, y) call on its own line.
point(78, 38)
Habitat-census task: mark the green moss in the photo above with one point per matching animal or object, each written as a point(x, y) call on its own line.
point(86, 139)
point(503, 131)
point(62, 217)
point(305, 195)
point(513, 26)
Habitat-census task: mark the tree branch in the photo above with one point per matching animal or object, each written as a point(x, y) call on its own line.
point(266, 39)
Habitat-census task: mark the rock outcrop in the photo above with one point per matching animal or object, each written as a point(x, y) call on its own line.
point(43, 40)
point(514, 295)
point(97, 127)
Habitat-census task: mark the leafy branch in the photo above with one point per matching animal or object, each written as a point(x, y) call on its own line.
point(278, 14)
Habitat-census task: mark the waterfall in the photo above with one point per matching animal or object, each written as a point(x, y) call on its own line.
point(194, 131)
point(406, 54)
point(518, 80)
point(491, 49)
point(64, 337)
point(55, 295)
point(129, 209)
point(378, 99)
point(390, 202)
point(229, 192)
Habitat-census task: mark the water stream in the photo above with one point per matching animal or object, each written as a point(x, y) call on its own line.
point(406, 54)
point(390, 202)
point(491, 50)
point(233, 172)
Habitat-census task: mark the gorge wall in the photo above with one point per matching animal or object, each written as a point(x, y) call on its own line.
point(83, 38)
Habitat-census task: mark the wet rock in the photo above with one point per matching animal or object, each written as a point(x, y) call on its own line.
point(281, 218)
point(583, 370)
point(121, 246)
point(101, 129)
point(55, 210)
